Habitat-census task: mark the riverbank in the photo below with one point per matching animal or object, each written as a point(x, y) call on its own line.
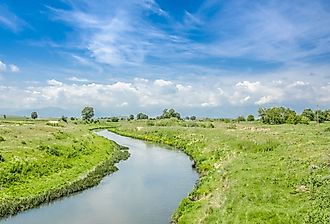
point(250, 172)
point(41, 162)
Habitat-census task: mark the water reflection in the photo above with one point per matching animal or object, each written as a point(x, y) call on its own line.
point(147, 189)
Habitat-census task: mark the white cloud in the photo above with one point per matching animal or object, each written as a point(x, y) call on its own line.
point(2, 66)
point(162, 83)
point(264, 100)
point(54, 82)
point(76, 79)
point(146, 95)
point(14, 68)
point(250, 86)
point(10, 68)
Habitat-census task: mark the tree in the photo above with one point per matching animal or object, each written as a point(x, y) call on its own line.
point(114, 119)
point(240, 118)
point(65, 119)
point(250, 117)
point(320, 116)
point(193, 118)
point(309, 113)
point(170, 113)
point(34, 115)
point(4, 116)
point(278, 115)
point(131, 117)
point(87, 113)
point(141, 116)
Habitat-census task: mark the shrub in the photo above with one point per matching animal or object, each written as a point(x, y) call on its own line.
point(150, 123)
point(193, 118)
point(131, 117)
point(304, 120)
point(65, 119)
point(250, 117)
point(240, 118)
point(1, 158)
point(114, 119)
point(2, 139)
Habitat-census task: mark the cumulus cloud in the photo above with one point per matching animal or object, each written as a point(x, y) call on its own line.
point(54, 82)
point(162, 83)
point(76, 79)
point(146, 95)
point(9, 68)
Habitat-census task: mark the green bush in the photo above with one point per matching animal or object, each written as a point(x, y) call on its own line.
point(250, 117)
point(2, 139)
point(114, 119)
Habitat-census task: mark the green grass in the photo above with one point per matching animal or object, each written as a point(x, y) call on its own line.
point(39, 163)
point(250, 172)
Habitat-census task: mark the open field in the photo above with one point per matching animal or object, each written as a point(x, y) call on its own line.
point(250, 172)
point(40, 162)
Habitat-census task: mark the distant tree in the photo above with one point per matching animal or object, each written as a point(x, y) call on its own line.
point(65, 119)
point(170, 113)
point(114, 119)
point(250, 117)
point(131, 117)
point(320, 116)
point(87, 113)
point(4, 116)
point(327, 114)
point(240, 118)
point(72, 118)
point(141, 116)
point(193, 118)
point(186, 118)
point(309, 113)
point(278, 115)
point(34, 115)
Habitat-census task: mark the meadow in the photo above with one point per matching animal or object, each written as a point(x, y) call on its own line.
point(41, 161)
point(249, 172)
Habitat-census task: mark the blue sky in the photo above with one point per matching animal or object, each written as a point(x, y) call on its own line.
point(209, 58)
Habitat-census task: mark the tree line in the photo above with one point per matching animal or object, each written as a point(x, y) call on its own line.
point(284, 115)
point(272, 115)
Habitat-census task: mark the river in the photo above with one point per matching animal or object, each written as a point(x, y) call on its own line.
point(146, 189)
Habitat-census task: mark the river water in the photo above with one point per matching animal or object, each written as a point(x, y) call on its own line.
point(147, 188)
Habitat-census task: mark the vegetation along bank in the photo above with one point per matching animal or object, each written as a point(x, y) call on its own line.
point(41, 161)
point(250, 172)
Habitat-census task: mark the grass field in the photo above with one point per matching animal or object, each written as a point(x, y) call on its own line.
point(40, 162)
point(249, 172)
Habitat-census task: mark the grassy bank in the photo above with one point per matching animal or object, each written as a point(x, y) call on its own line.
point(41, 162)
point(250, 172)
